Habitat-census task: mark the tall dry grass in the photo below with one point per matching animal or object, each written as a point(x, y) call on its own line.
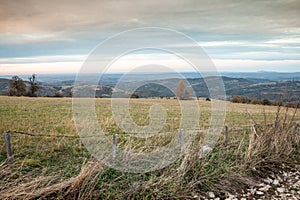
point(274, 142)
point(227, 168)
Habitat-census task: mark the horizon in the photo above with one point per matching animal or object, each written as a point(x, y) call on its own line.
point(146, 72)
point(263, 75)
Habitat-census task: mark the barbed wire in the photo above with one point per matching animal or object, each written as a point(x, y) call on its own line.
point(201, 129)
point(43, 135)
point(77, 136)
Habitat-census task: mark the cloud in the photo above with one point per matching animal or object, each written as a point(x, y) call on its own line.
point(226, 17)
point(228, 29)
point(242, 65)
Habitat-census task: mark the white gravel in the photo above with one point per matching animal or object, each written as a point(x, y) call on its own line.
point(283, 185)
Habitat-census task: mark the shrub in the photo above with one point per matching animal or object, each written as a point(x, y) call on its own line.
point(240, 99)
point(266, 102)
point(255, 101)
point(134, 96)
point(58, 94)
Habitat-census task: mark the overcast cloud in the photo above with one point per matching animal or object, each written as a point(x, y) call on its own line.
point(227, 30)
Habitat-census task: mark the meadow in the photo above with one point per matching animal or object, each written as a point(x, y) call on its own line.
point(49, 160)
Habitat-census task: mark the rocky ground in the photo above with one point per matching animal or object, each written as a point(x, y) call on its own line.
point(284, 184)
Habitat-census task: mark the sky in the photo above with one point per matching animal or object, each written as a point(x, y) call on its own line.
point(57, 36)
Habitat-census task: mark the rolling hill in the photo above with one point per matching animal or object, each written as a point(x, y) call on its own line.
point(250, 87)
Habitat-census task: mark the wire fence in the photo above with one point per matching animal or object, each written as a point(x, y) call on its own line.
point(227, 129)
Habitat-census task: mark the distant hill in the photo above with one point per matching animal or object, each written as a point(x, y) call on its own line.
point(235, 86)
point(271, 90)
point(3, 85)
point(260, 75)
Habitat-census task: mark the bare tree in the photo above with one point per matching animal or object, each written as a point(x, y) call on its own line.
point(34, 86)
point(181, 90)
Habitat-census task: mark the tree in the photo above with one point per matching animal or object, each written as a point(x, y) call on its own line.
point(17, 87)
point(255, 101)
point(58, 94)
point(181, 91)
point(240, 99)
point(34, 86)
point(134, 96)
point(266, 102)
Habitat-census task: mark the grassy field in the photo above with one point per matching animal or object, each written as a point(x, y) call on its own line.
point(50, 166)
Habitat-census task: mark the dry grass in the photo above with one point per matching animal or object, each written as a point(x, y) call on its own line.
point(78, 187)
point(274, 142)
point(54, 169)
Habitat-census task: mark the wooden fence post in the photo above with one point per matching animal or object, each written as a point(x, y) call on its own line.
point(181, 140)
point(226, 135)
point(8, 147)
point(114, 146)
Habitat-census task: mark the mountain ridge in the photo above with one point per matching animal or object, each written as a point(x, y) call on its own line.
point(252, 88)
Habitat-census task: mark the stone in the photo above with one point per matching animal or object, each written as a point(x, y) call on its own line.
point(211, 195)
point(265, 189)
point(268, 180)
point(252, 191)
point(259, 193)
point(280, 190)
point(297, 184)
point(275, 182)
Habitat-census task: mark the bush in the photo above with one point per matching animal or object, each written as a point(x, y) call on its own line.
point(255, 101)
point(266, 102)
point(278, 103)
point(58, 94)
point(240, 99)
point(134, 96)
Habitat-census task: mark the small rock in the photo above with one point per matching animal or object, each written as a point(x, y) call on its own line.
point(211, 195)
point(259, 193)
point(297, 184)
point(280, 190)
point(268, 180)
point(261, 185)
point(265, 189)
point(275, 182)
point(252, 191)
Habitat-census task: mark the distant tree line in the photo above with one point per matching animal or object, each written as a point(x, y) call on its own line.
point(17, 87)
point(258, 101)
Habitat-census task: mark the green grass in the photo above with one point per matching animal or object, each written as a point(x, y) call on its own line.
point(40, 159)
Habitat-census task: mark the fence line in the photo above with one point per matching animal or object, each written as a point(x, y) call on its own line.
point(9, 151)
point(42, 135)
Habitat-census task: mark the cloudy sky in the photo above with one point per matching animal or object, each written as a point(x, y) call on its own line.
point(41, 36)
